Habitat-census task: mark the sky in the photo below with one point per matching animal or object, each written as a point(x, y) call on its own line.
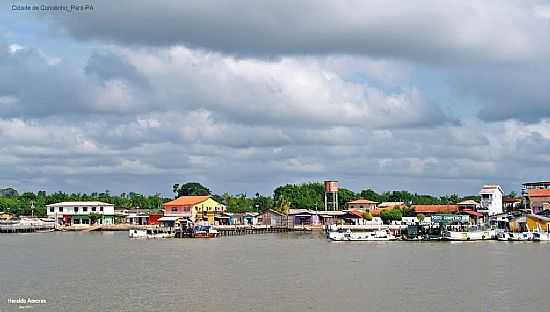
point(430, 96)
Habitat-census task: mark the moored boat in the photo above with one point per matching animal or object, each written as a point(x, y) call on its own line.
point(348, 235)
point(205, 231)
point(469, 235)
point(150, 234)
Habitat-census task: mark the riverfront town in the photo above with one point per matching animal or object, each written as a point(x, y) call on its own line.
point(340, 213)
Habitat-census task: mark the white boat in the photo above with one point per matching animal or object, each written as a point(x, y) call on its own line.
point(469, 235)
point(539, 235)
point(348, 235)
point(150, 234)
point(504, 236)
point(205, 231)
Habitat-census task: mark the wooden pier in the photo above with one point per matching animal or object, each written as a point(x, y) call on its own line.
point(24, 228)
point(232, 230)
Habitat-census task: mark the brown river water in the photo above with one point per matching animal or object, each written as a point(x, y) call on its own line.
point(270, 272)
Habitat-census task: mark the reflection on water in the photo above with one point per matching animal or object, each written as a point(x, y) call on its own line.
point(270, 272)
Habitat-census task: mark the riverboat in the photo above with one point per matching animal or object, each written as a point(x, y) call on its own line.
point(348, 235)
point(416, 232)
point(205, 231)
point(468, 235)
point(150, 234)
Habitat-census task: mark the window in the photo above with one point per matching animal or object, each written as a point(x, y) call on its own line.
point(60, 209)
point(52, 209)
point(75, 209)
point(84, 208)
point(76, 221)
point(174, 209)
point(93, 208)
point(100, 208)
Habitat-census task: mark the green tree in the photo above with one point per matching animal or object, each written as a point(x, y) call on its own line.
point(420, 217)
point(394, 214)
point(282, 205)
point(191, 188)
point(94, 217)
point(303, 196)
point(367, 215)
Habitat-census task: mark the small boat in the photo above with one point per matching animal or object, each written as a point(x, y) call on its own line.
point(469, 235)
point(541, 236)
point(205, 231)
point(348, 235)
point(150, 234)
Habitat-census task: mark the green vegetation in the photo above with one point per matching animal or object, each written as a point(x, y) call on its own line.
point(301, 196)
point(394, 214)
point(21, 204)
point(367, 215)
point(94, 217)
point(190, 189)
point(420, 217)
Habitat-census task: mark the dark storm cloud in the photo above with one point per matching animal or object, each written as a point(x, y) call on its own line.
point(503, 42)
point(427, 31)
point(506, 91)
point(39, 86)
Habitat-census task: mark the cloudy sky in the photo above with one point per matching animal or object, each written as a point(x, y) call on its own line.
point(431, 96)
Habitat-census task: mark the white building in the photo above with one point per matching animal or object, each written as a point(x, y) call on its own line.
point(491, 199)
point(70, 213)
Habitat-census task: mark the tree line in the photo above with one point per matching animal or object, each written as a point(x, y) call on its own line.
point(308, 195)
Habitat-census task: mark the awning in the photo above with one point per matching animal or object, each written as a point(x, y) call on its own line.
point(473, 213)
point(303, 215)
point(222, 217)
point(168, 219)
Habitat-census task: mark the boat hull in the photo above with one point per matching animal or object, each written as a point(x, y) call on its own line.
point(468, 236)
point(144, 234)
point(360, 236)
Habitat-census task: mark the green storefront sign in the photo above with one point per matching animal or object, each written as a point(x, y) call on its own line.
point(449, 218)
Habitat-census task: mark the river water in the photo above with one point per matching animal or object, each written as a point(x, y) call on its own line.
point(271, 272)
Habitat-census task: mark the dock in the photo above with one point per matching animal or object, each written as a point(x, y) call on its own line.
point(233, 230)
point(25, 228)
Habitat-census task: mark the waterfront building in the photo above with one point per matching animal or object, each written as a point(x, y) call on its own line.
point(81, 212)
point(468, 204)
point(536, 222)
point(491, 200)
point(223, 218)
point(138, 218)
point(250, 218)
point(272, 217)
point(389, 205)
point(511, 203)
point(303, 217)
point(534, 195)
point(362, 204)
point(194, 208)
point(538, 200)
point(429, 210)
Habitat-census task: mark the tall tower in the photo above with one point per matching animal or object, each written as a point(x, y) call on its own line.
point(331, 195)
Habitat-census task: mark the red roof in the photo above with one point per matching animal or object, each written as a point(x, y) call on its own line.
point(376, 211)
point(473, 213)
point(355, 212)
point(187, 201)
point(538, 192)
point(435, 208)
